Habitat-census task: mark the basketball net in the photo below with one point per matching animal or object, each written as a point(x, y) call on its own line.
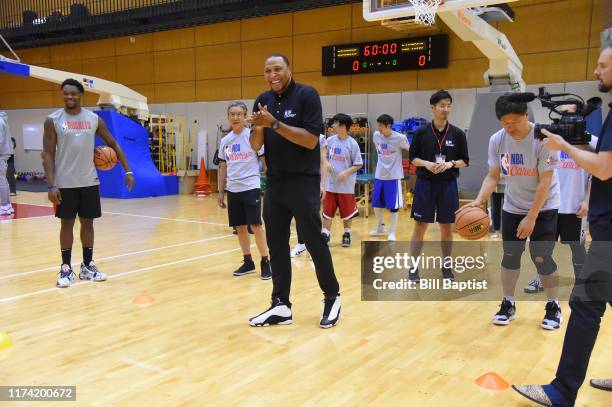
point(425, 11)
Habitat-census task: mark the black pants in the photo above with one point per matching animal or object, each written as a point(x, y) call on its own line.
point(296, 197)
point(10, 175)
point(497, 201)
point(588, 304)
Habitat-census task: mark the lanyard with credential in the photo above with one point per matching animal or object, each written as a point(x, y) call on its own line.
point(440, 142)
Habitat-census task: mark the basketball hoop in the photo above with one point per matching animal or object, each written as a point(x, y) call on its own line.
point(425, 11)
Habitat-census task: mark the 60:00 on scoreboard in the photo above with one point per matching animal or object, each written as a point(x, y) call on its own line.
point(385, 56)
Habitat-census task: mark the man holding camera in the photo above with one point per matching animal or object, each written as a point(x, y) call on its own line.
point(593, 288)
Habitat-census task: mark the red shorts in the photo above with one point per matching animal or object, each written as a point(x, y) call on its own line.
point(345, 202)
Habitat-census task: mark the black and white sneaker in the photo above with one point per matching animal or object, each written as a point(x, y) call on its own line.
point(278, 314)
point(413, 274)
point(266, 271)
point(346, 239)
point(506, 313)
point(447, 274)
point(65, 277)
point(534, 286)
point(248, 267)
point(553, 318)
point(325, 237)
point(331, 312)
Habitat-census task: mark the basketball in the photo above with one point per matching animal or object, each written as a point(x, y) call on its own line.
point(105, 158)
point(472, 223)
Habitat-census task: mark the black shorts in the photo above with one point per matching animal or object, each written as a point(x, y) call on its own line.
point(541, 241)
point(569, 228)
point(244, 208)
point(435, 200)
point(84, 201)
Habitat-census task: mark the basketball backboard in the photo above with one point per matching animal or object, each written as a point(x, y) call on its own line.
point(377, 10)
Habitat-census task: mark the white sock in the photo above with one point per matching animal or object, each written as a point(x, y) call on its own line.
point(325, 231)
point(347, 230)
point(380, 215)
point(509, 298)
point(394, 218)
point(555, 300)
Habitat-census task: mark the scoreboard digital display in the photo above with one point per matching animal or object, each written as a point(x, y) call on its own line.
point(386, 56)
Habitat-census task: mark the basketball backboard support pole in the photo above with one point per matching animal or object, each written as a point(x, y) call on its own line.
point(504, 65)
point(120, 97)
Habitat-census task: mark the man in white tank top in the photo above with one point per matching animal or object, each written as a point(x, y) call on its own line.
point(68, 147)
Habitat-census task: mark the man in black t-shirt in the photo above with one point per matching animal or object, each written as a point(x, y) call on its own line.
point(438, 150)
point(287, 121)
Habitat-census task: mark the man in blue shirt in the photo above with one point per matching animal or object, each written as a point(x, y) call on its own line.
point(593, 288)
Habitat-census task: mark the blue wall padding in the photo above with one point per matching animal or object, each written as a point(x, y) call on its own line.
point(134, 140)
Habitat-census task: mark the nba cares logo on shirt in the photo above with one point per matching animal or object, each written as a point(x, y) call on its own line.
point(513, 164)
point(567, 162)
point(384, 150)
point(289, 113)
point(336, 155)
point(233, 153)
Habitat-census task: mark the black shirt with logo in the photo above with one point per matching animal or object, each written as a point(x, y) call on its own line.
point(298, 106)
point(429, 141)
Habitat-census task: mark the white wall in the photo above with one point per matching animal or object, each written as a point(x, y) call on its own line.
point(210, 115)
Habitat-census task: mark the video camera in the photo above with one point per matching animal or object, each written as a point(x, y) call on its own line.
point(569, 125)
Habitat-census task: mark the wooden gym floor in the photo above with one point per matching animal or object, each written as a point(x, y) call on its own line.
point(192, 345)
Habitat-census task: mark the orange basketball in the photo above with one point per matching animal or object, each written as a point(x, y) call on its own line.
point(472, 223)
point(105, 158)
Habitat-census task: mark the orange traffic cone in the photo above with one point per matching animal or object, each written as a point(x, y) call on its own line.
point(202, 185)
point(492, 381)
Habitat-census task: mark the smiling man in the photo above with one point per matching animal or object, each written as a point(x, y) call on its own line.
point(287, 120)
point(68, 148)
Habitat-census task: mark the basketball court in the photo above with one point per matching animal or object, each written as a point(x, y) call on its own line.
point(170, 325)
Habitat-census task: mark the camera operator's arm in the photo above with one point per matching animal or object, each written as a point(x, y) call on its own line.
point(525, 228)
point(598, 164)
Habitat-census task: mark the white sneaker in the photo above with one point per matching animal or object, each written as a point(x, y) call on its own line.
point(534, 286)
point(391, 237)
point(379, 230)
point(66, 276)
point(553, 318)
point(278, 314)
point(298, 249)
point(91, 272)
point(7, 210)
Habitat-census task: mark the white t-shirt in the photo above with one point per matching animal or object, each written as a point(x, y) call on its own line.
point(342, 155)
point(520, 162)
point(573, 182)
point(389, 150)
point(241, 159)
